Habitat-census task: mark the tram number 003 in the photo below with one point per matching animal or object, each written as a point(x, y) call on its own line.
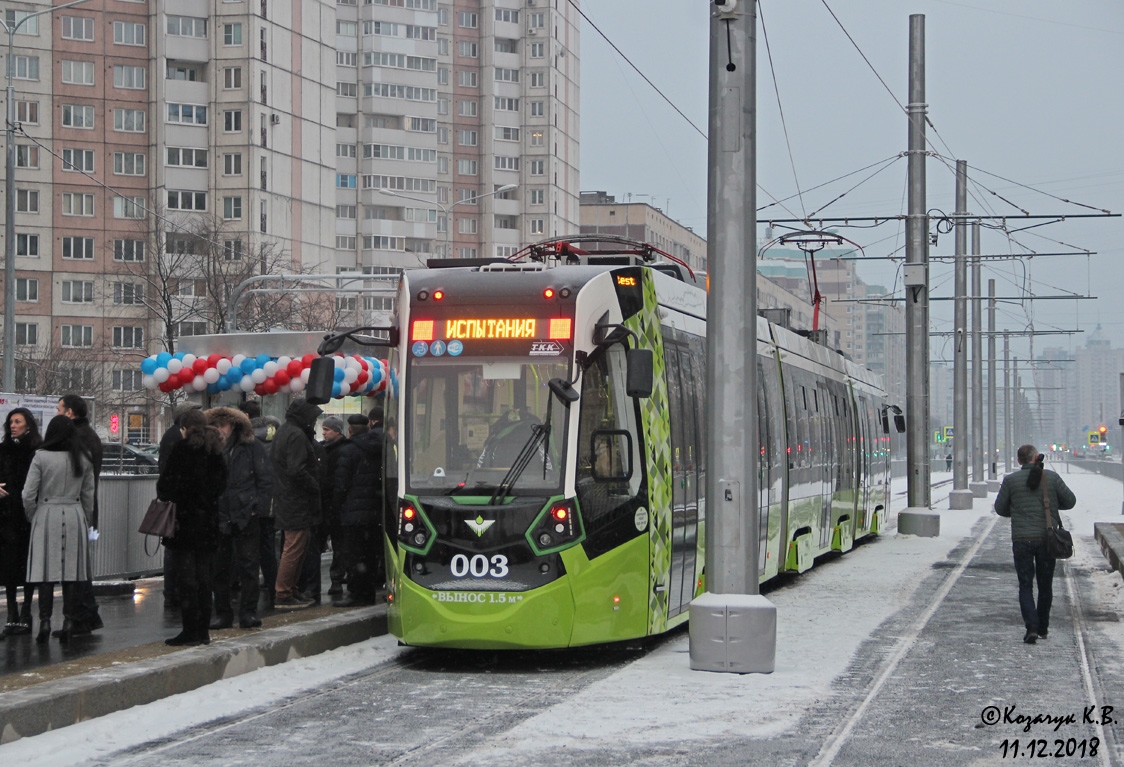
point(479, 566)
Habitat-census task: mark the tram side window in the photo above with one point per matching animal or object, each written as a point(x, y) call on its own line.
point(607, 477)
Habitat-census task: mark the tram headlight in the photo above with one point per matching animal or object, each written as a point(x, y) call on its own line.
point(545, 540)
point(557, 526)
point(419, 538)
point(413, 531)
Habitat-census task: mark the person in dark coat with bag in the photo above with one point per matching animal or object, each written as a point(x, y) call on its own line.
point(296, 494)
point(249, 493)
point(194, 479)
point(86, 616)
point(58, 499)
point(171, 436)
point(357, 497)
point(1021, 498)
point(21, 438)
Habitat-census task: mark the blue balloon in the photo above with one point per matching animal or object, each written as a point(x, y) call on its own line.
point(148, 367)
point(376, 374)
point(249, 365)
point(179, 355)
point(339, 373)
point(224, 384)
point(262, 359)
point(213, 388)
point(336, 390)
point(234, 375)
point(162, 359)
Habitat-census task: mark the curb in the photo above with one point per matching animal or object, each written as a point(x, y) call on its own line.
point(1110, 535)
point(52, 705)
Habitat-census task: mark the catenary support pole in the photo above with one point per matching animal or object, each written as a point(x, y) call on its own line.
point(918, 518)
point(978, 485)
point(960, 497)
point(733, 627)
point(992, 418)
point(1008, 417)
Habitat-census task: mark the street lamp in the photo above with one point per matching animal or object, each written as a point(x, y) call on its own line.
point(447, 208)
point(9, 379)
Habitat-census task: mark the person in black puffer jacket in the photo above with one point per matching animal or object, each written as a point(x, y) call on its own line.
point(249, 493)
point(296, 494)
point(194, 479)
point(357, 496)
point(1020, 498)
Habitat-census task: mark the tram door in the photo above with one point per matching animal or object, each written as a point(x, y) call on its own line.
point(683, 384)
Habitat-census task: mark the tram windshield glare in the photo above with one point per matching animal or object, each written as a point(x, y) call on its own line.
point(471, 419)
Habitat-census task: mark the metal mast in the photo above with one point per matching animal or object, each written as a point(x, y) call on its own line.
point(961, 496)
point(979, 481)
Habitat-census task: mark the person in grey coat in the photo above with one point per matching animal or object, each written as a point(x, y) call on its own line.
point(58, 499)
point(1021, 498)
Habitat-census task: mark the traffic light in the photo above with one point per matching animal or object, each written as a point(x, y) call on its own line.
point(1102, 429)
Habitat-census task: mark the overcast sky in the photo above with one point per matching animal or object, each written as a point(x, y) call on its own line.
point(1028, 90)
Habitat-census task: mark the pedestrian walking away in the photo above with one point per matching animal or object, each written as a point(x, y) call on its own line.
point(21, 438)
point(1021, 498)
point(58, 499)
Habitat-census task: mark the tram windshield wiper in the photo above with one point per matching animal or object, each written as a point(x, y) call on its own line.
point(539, 435)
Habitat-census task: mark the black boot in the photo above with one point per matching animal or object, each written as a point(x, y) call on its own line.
point(24, 624)
point(65, 632)
point(46, 610)
point(44, 630)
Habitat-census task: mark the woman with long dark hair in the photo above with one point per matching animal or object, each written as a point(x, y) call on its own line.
point(21, 438)
point(58, 499)
point(194, 478)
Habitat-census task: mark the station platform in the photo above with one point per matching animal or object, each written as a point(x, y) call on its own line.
point(904, 651)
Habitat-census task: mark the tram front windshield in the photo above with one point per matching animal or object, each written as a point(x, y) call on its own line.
point(477, 424)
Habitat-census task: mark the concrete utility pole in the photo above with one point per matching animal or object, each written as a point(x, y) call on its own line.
point(918, 518)
point(992, 420)
point(961, 496)
point(733, 628)
point(1007, 449)
point(978, 485)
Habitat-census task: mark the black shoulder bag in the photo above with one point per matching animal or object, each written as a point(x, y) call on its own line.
point(1059, 543)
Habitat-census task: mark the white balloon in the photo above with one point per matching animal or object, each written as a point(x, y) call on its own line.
point(148, 382)
point(352, 364)
point(258, 376)
point(161, 375)
point(198, 384)
point(296, 385)
point(345, 389)
point(304, 376)
point(237, 360)
point(338, 362)
point(350, 374)
point(246, 384)
point(174, 365)
point(188, 360)
point(283, 362)
point(270, 368)
point(211, 375)
point(223, 366)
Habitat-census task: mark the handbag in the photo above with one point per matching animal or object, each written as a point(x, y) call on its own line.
point(160, 519)
point(1059, 543)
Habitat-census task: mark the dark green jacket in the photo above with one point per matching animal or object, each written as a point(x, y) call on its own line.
point(1024, 506)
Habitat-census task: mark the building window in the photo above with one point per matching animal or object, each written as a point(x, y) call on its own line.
point(504, 104)
point(345, 211)
point(74, 336)
point(232, 34)
point(27, 289)
point(77, 292)
point(467, 137)
point(538, 167)
point(182, 200)
point(78, 160)
point(131, 78)
point(467, 108)
point(508, 15)
point(350, 90)
point(345, 242)
point(78, 72)
point(507, 75)
point(24, 67)
point(467, 78)
point(345, 180)
point(232, 250)
point(128, 33)
point(347, 29)
point(467, 49)
point(128, 164)
point(29, 27)
point(128, 120)
point(466, 167)
point(187, 157)
point(128, 338)
point(535, 20)
point(27, 156)
point(187, 26)
point(538, 79)
point(78, 248)
point(27, 333)
point(126, 380)
point(536, 226)
point(232, 121)
point(536, 197)
point(191, 329)
point(232, 208)
point(27, 201)
point(507, 163)
point(232, 164)
point(506, 45)
point(27, 245)
point(189, 114)
point(77, 28)
point(127, 250)
point(345, 150)
point(538, 50)
point(466, 20)
point(27, 112)
point(181, 72)
point(536, 138)
point(77, 116)
point(346, 59)
point(466, 225)
point(537, 109)
point(231, 78)
point(127, 293)
point(77, 204)
point(128, 207)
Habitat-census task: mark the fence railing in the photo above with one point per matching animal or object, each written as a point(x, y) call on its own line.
point(119, 551)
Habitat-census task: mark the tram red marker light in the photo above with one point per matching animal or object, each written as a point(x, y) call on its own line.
point(559, 512)
point(438, 295)
point(408, 513)
point(616, 600)
point(548, 293)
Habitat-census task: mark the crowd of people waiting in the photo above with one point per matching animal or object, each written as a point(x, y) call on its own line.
point(257, 503)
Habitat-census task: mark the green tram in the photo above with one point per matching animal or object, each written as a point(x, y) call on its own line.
point(546, 487)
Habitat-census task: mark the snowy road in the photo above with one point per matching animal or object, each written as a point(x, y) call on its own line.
point(888, 655)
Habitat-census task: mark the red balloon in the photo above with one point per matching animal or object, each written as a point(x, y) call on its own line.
point(295, 367)
point(306, 360)
point(166, 387)
point(362, 379)
point(200, 365)
point(282, 377)
point(185, 376)
point(213, 360)
point(270, 386)
point(259, 390)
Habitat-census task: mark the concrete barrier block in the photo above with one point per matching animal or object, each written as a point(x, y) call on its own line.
point(925, 523)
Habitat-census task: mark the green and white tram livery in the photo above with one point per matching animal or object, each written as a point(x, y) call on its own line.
point(546, 482)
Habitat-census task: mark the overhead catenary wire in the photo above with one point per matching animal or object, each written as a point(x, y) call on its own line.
point(780, 107)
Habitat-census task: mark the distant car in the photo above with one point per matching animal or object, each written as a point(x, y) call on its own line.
point(126, 459)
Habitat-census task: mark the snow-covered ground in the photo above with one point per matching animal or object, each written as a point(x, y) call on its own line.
point(836, 607)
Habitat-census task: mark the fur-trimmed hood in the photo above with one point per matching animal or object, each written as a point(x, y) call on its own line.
point(243, 431)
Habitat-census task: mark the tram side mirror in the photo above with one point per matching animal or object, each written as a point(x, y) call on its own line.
point(563, 390)
point(321, 376)
point(899, 419)
point(899, 422)
point(638, 379)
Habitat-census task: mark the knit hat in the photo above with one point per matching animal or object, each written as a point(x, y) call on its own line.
point(357, 419)
point(185, 407)
point(333, 423)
